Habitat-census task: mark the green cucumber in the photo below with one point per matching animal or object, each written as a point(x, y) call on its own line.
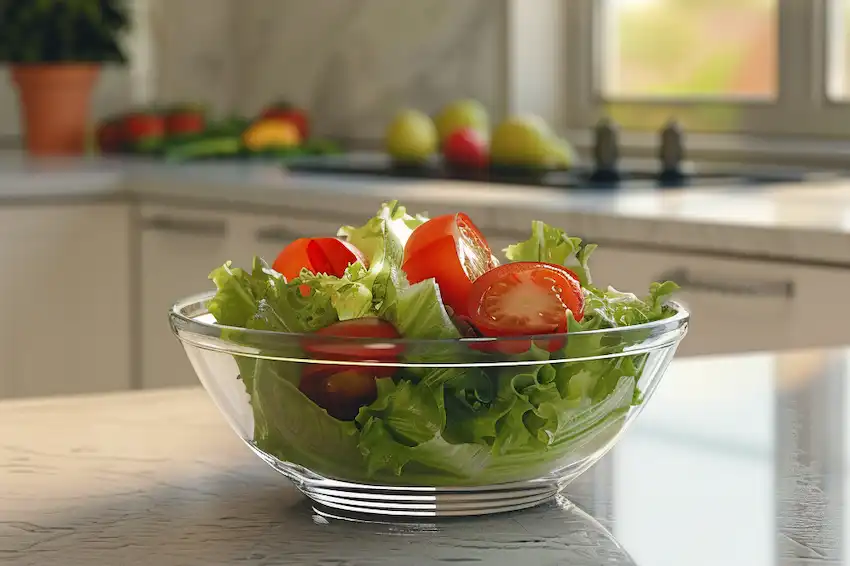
point(219, 146)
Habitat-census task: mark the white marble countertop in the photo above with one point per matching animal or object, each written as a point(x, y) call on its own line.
point(808, 222)
point(736, 460)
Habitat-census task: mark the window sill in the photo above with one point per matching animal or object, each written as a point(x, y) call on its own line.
point(731, 148)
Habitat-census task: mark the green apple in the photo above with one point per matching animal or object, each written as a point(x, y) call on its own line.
point(411, 137)
point(462, 114)
point(525, 141)
point(562, 153)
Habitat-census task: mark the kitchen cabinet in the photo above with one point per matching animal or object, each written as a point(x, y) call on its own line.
point(65, 295)
point(738, 304)
point(179, 248)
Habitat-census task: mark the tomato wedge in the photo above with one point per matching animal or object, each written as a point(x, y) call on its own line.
point(524, 299)
point(342, 389)
point(340, 392)
point(451, 250)
point(340, 350)
point(330, 256)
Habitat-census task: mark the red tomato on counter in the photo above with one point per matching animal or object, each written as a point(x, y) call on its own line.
point(466, 147)
point(182, 122)
point(295, 116)
point(144, 125)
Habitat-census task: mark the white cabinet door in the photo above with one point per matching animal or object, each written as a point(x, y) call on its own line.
point(739, 305)
point(179, 250)
point(65, 300)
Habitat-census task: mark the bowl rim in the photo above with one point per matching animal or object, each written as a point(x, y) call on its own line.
point(179, 318)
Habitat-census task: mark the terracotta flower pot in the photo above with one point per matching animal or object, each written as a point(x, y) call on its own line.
point(55, 102)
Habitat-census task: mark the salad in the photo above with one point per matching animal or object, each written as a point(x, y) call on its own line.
point(439, 403)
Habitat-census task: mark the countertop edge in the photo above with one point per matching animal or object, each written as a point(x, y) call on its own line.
point(265, 189)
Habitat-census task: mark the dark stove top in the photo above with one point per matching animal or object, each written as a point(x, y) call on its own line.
point(633, 174)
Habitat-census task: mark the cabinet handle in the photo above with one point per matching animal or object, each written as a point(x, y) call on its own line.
point(687, 281)
point(277, 234)
point(190, 226)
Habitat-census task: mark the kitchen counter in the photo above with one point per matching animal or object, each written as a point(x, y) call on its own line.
point(808, 222)
point(737, 460)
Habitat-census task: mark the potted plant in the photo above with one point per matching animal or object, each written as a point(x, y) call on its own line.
point(55, 49)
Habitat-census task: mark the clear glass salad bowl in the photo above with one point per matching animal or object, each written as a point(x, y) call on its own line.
point(542, 409)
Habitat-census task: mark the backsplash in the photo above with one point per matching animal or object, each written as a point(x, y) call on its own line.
point(351, 64)
point(354, 64)
point(192, 49)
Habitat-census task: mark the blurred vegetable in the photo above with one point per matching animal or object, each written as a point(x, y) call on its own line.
point(289, 113)
point(271, 133)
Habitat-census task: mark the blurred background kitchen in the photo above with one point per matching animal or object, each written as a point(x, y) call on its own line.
point(701, 141)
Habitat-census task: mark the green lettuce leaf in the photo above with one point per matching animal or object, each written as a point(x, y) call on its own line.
point(383, 237)
point(616, 308)
point(291, 427)
point(403, 428)
point(552, 245)
point(382, 241)
point(349, 295)
point(418, 312)
point(240, 292)
point(426, 463)
point(412, 414)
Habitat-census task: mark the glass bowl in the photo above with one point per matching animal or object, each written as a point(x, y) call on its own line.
point(460, 427)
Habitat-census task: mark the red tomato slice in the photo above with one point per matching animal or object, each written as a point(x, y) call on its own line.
point(525, 298)
point(368, 327)
point(330, 256)
point(292, 259)
point(342, 351)
point(451, 250)
point(340, 392)
point(339, 254)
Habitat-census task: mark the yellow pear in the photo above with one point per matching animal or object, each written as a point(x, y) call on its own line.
point(411, 137)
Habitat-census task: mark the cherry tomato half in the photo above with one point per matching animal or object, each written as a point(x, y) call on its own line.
point(367, 327)
point(524, 299)
point(341, 392)
point(330, 256)
point(451, 250)
point(342, 389)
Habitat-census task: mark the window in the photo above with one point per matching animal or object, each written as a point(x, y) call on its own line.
point(689, 48)
point(762, 67)
point(838, 28)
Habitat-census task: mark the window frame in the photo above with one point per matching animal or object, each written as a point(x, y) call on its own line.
point(802, 107)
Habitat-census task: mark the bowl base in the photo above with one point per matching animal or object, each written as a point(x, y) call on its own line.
point(356, 501)
point(370, 503)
